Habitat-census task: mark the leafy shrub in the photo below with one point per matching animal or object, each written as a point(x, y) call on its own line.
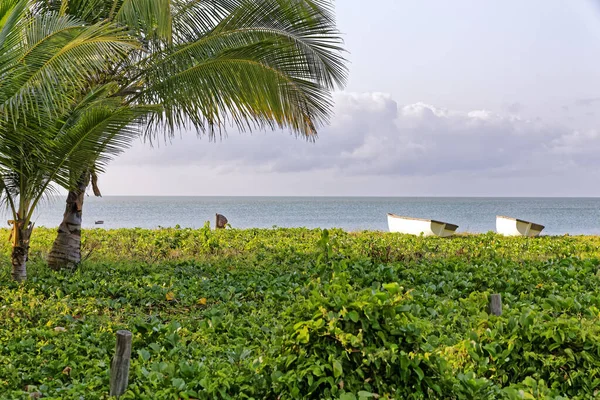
point(298, 313)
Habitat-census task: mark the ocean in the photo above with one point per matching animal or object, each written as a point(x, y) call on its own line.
point(559, 215)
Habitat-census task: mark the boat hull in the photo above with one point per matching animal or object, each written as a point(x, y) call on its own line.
point(508, 226)
point(417, 226)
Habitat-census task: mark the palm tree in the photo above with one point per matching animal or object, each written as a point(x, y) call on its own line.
point(211, 63)
point(51, 124)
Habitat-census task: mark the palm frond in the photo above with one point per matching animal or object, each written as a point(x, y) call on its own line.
point(269, 63)
point(11, 12)
point(58, 58)
point(151, 18)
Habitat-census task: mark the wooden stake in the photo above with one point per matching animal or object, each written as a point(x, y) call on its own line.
point(496, 304)
point(119, 367)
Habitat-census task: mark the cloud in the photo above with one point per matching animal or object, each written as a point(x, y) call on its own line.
point(577, 149)
point(514, 108)
point(372, 135)
point(585, 102)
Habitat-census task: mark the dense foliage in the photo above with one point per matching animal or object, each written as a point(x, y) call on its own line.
point(297, 313)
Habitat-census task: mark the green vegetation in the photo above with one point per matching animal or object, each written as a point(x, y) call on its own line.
point(291, 313)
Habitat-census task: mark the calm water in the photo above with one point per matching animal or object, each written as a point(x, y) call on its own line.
point(559, 215)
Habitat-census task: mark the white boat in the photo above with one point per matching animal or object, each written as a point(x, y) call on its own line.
point(417, 226)
point(508, 226)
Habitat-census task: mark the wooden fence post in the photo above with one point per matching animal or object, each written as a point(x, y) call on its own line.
point(496, 304)
point(119, 367)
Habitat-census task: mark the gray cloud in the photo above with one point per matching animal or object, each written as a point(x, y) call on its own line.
point(587, 101)
point(514, 108)
point(372, 135)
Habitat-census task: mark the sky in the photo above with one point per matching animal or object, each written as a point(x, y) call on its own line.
point(444, 98)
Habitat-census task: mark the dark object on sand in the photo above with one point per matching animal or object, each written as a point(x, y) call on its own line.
point(221, 221)
point(99, 222)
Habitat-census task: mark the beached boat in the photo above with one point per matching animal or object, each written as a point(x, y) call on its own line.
point(417, 226)
point(508, 226)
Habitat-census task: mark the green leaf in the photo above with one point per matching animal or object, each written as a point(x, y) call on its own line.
point(382, 296)
point(393, 287)
point(144, 354)
point(178, 383)
point(337, 369)
point(303, 335)
point(155, 347)
point(419, 372)
point(530, 382)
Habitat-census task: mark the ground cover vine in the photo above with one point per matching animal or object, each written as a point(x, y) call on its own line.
point(299, 313)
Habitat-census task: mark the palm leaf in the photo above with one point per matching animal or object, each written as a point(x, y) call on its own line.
point(57, 60)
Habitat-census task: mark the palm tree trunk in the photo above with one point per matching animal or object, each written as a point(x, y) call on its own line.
point(66, 250)
point(20, 250)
